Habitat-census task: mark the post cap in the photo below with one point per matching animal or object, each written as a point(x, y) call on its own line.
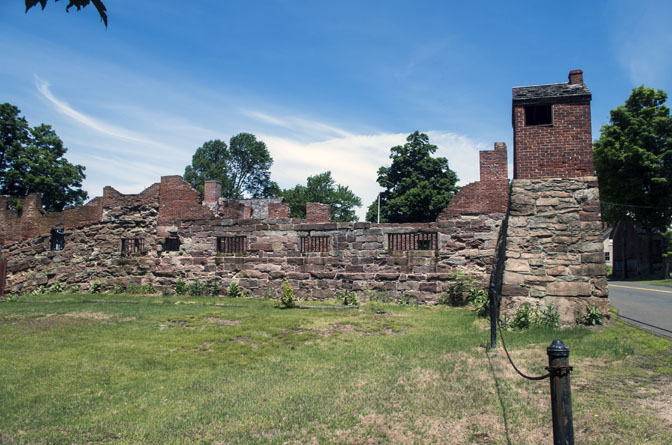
point(557, 349)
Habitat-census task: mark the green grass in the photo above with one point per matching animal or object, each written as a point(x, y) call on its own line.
point(183, 370)
point(667, 283)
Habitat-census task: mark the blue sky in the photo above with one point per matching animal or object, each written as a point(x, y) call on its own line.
point(327, 85)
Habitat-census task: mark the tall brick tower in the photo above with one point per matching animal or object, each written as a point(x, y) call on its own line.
point(551, 130)
point(554, 237)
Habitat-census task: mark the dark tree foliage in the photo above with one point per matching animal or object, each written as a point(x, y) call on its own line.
point(417, 186)
point(79, 4)
point(243, 167)
point(323, 189)
point(633, 159)
point(33, 162)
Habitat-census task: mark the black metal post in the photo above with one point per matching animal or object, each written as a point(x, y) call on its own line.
point(561, 393)
point(494, 315)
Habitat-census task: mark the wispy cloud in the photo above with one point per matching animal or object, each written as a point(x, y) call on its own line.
point(642, 39)
point(64, 108)
point(300, 146)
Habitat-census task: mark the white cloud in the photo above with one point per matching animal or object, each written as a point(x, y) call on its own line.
point(161, 144)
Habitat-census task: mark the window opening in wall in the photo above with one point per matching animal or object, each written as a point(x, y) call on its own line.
point(607, 255)
point(315, 243)
point(412, 241)
point(538, 115)
point(57, 239)
point(171, 244)
point(231, 244)
point(132, 246)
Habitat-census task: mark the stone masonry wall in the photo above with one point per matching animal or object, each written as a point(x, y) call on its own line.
point(359, 257)
point(354, 256)
point(554, 251)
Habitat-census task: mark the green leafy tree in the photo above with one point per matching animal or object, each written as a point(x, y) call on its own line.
point(79, 4)
point(417, 185)
point(33, 162)
point(243, 167)
point(633, 159)
point(323, 189)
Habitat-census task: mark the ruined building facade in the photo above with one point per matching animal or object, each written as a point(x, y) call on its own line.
point(167, 232)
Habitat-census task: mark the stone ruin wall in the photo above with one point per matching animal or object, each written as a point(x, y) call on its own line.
point(551, 237)
point(359, 256)
point(554, 251)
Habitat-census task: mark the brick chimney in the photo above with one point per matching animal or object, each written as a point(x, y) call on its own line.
point(213, 191)
point(318, 213)
point(575, 77)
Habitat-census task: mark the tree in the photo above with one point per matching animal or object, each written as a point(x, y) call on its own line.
point(417, 186)
point(33, 162)
point(323, 189)
point(79, 4)
point(243, 167)
point(633, 159)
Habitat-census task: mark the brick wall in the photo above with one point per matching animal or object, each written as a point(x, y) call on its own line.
point(490, 194)
point(178, 200)
point(32, 220)
point(316, 212)
point(212, 191)
point(561, 150)
point(234, 210)
point(278, 210)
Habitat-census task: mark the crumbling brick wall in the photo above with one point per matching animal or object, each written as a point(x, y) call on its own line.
point(358, 255)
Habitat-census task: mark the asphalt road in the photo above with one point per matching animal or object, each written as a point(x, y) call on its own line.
point(643, 305)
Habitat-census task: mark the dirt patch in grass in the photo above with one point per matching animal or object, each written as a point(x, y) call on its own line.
point(174, 324)
point(221, 321)
point(346, 328)
point(660, 402)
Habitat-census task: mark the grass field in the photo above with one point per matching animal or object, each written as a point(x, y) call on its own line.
point(148, 369)
point(667, 283)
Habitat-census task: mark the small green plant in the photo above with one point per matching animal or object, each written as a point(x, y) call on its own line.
point(479, 301)
point(73, 289)
point(180, 287)
point(593, 316)
point(212, 287)
point(118, 289)
point(147, 289)
point(196, 288)
point(524, 317)
point(134, 289)
point(347, 298)
point(56, 288)
point(95, 288)
point(609, 270)
point(8, 298)
point(234, 291)
point(548, 316)
point(39, 290)
point(408, 300)
point(461, 291)
point(165, 292)
point(287, 295)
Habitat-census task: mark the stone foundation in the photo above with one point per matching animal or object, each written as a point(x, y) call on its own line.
point(554, 247)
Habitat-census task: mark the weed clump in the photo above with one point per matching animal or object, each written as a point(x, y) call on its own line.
point(527, 316)
point(95, 288)
point(347, 298)
point(180, 287)
point(592, 317)
point(287, 295)
point(56, 288)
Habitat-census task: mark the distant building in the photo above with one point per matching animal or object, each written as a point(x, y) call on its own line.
point(626, 250)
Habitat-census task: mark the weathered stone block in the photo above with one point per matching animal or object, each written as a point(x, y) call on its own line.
point(569, 289)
